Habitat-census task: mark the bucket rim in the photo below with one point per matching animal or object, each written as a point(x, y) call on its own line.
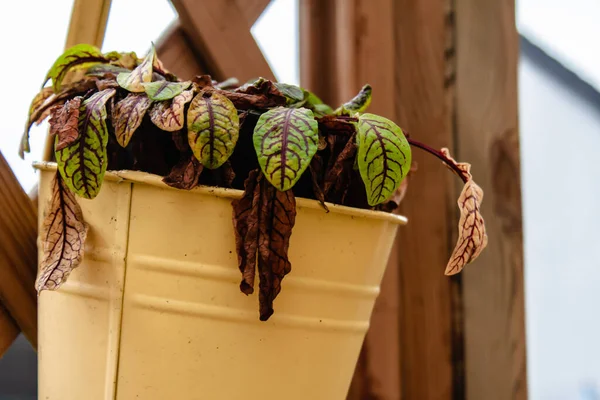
point(146, 178)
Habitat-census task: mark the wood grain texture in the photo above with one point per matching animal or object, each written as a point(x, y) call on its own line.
point(177, 54)
point(9, 330)
point(88, 22)
point(487, 136)
point(18, 253)
point(219, 32)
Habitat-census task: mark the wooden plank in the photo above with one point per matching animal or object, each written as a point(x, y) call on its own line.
point(88, 22)
point(219, 31)
point(177, 54)
point(9, 330)
point(18, 253)
point(487, 135)
point(252, 9)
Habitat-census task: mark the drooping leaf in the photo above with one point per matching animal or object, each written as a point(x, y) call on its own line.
point(127, 116)
point(64, 123)
point(63, 236)
point(83, 163)
point(169, 115)
point(472, 237)
point(185, 174)
point(293, 93)
point(285, 140)
point(39, 99)
point(263, 220)
point(275, 222)
point(315, 168)
point(262, 93)
point(132, 81)
point(39, 112)
point(384, 156)
point(164, 90)
point(245, 225)
point(358, 104)
point(75, 56)
point(213, 128)
point(338, 176)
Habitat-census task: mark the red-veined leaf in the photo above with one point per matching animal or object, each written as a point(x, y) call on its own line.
point(127, 116)
point(384, 156)
point(132, 81)
point(164, 90)
point(213, 128)
point(285, 140)
point(75, 56)
point(64, 123)
point(83, 163)
point(472, 237)
point(169, 115)
point(63, 236)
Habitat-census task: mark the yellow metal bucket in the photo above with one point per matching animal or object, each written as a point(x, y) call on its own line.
point(154, 312)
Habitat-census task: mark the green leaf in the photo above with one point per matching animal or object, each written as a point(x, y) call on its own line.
point(358, 104)
point(213, 128)
point(74, 56)
point(314, 103)
point(82, 164)
point(164, 90)
point(383, 156)
point(133, 80)
point(293, 93)
point(169, 115)
point(127, 116)
point(285, 140)
point(321, 110)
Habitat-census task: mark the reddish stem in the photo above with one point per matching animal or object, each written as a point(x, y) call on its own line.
point(441, 156)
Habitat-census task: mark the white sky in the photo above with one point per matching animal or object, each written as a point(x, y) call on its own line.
point(33, 33)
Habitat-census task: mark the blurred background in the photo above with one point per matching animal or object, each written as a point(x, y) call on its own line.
point(558, 75)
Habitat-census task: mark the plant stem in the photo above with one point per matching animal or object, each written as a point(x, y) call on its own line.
point(441, 156)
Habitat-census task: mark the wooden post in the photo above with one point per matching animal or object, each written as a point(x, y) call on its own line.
point(434, 337)
point(487, 136)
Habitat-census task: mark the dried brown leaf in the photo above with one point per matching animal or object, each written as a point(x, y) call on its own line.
point(169, 115)
point(275, 222)
point(465, 168)
point(337, 177)
point(64, 123)
point(472, 238)
point(185, 174)
point(63, 235)
point(316, 168)
point(245, 224)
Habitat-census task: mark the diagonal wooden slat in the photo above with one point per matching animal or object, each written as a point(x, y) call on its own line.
point(9, 330)
point(18, 253)
point(219, 32)
point(177, 54)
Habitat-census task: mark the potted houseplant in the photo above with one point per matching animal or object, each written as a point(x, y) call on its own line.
point(146, 174)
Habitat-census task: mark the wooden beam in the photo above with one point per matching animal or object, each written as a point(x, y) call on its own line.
point(252, 9)
point(487, 136)
point(176, 52)
point(9, 330)
point(18, 253)
point(219, 31)
point(88, 22)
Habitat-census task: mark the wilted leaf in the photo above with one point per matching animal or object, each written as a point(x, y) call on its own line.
point(260, 94)
point(293, 93)
point(83, 163)
point(64, 123)
point(337, 177)
point(72, 57)
point(164, 90)
point(213, 128)
point(169, 115)
point(275, 222)
point(228, 83)
point(127, 116)
point(128, 60)
point(132, 81)
point(472, 238)
point(101, 70)
point(315, 168)
point(63, 236)
point(285, 140)
point(39, 99)
point(185, 174)
point(358, 104)
point(383, 156)
point(103, 84)
point(245, 225)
